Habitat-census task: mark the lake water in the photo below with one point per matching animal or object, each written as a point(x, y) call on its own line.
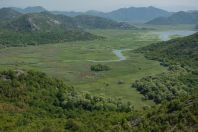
point(165, 36)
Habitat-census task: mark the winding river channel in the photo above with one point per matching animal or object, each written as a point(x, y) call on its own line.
point(164, 36)
point(117, 53)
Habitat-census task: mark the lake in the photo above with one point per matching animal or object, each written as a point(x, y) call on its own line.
point(165, 36)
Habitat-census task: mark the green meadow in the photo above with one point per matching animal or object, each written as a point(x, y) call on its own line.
point(71, 62)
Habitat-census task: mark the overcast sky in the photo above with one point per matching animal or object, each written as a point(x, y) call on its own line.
point(102, 5)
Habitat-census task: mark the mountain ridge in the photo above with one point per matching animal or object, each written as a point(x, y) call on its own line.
point(131, 14)
point(79, 21)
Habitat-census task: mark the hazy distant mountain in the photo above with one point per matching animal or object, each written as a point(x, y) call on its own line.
point(7, 13)
point(86, 21)
point(97, 13)
point(132, 14)
point(177, 18)
point(71, 13)
point(35, 9)
point(135, 14)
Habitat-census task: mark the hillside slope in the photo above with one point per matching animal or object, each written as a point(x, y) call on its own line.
point(177, 18)
point(43, 22)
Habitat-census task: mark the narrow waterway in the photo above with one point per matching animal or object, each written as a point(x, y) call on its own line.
point(164, 36)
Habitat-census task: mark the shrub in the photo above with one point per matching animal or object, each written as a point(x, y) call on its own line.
point(100, 67)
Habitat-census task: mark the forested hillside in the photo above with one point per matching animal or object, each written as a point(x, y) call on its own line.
point(181, 58)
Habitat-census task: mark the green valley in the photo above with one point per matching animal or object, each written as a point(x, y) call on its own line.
point(73, 59)
point(97, 71)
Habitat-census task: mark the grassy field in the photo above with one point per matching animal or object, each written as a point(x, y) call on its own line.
point(71, 62)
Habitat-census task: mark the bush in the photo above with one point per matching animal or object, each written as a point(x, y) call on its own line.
point(100, 67)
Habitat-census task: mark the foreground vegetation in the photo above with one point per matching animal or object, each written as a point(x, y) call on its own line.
point(31, 101)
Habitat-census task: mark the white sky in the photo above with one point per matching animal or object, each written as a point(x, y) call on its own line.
point(102, 5)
